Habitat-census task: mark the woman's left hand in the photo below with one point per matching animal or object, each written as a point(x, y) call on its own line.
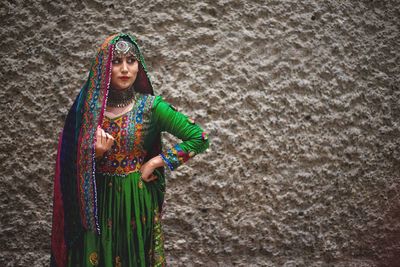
point(148, 168)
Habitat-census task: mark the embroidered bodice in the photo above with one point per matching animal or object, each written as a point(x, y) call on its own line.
point(127, 153)
point(134, 132)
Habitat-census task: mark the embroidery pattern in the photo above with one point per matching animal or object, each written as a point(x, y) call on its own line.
point(140, 184)
point(127, 154)
point(157, 253)
point(94, 258)
point(175, 156)
point(96, 94)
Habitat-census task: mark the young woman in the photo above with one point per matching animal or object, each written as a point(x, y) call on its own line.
point(109, 184)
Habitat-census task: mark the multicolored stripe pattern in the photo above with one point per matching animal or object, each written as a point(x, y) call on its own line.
point(175, 156)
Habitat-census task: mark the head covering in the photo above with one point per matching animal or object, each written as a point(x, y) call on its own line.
point(75, 196)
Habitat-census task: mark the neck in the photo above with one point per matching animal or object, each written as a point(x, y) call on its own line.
point(120, 98)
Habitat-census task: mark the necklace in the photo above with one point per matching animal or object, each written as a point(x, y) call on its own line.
point(120, 98)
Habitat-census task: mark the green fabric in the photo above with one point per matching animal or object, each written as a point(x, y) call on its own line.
point(129, 208)
point(168, 119)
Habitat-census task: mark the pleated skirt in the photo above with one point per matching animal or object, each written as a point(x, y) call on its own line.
point(130, 223)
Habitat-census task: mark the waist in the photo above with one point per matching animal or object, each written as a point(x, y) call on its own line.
point(119, 165)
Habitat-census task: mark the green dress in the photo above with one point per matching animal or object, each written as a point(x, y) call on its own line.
point(129, 208)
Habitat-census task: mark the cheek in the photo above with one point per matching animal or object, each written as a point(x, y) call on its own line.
point(135, 67)
point(114, 72)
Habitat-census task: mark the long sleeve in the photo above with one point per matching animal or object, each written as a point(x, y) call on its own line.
point(194, 139)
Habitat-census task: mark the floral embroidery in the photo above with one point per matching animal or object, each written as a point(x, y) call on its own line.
point(175, 156)
point(158, 258)
point(169, 164)
point(94, 259)
point(127, 154)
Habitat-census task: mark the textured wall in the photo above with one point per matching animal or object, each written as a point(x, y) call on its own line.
point(301, 99)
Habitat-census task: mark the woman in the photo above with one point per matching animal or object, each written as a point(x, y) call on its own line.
point(109, 183)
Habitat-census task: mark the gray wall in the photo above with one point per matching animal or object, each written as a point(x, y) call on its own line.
point(301, 100)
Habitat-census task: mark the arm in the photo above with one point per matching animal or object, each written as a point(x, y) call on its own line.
point(194, 139)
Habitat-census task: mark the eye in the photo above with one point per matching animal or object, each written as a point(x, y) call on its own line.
point(116, 61)
point(131, 60)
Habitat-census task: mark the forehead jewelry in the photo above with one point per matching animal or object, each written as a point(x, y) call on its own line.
point(124, 48)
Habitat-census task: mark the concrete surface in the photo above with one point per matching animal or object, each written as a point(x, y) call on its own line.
point(301, 100)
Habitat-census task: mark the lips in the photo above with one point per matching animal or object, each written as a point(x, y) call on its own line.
point(124, 78)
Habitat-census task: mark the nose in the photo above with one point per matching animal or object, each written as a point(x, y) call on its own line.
point(124, 66)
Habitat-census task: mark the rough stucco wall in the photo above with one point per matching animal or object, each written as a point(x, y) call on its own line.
point(301, 99)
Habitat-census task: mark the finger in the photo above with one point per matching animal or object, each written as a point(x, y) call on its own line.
point(147, 178)
point(99, 136)
point(152, 177)
point(109, 136)
point(98, 133)
point(103, 136)
point(110, 140)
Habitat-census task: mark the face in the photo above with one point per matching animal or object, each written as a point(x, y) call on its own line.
point(124, 72)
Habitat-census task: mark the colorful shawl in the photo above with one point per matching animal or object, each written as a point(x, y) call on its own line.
point(75, 197)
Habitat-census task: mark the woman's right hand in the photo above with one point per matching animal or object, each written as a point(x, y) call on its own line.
point(104, 142)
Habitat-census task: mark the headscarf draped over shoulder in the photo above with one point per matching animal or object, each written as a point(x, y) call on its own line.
point(75, 196)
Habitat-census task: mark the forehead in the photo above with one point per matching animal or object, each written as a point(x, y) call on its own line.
point(119, 56)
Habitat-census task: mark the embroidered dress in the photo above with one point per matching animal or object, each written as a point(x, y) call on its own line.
point(129, 208)
point(104, 214)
